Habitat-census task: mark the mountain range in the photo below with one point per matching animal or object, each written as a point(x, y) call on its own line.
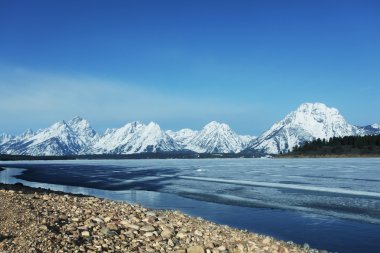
point(76, 137)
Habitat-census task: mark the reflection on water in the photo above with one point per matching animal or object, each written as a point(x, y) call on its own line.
point(148, 199)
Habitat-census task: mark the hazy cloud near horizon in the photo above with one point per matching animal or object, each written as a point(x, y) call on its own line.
point(35, 100)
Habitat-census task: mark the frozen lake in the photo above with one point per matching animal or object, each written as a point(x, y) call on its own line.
point(331, 204)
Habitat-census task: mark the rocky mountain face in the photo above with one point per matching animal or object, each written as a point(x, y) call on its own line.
point(308, 122)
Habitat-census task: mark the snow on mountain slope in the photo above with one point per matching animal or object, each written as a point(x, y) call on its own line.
point(135, 137)
point(247, 139)
point(113, 138)
point(61, 138)
point(83, 130)
point(5, 138)
point(58, 139)
point(371, 129)
point(216, 138)
point(182, 136)
point(25, 135)
point(310, 121)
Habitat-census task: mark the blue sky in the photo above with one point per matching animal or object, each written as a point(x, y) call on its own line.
point(185, 63)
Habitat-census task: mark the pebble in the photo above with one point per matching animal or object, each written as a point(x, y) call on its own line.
point(196, 249)
point(181, 235)
point(37, 220)
point(85, 234)
point(112, 226)
point(127, 224)
point(147, 228)
point(266, 240)
point(166, 233)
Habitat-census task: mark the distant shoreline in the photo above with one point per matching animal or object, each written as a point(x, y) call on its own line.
point(122, 157)
point(147, 156)
point(328, 156)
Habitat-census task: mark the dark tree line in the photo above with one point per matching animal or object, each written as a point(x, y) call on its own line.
point(162, 155)
point(369, 144)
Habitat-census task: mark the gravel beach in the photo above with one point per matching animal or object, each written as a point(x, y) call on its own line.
point(39, 220)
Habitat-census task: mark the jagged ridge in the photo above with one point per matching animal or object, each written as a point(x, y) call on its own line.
point(310, 121)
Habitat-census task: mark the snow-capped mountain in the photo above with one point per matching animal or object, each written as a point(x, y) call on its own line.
point(61, 138)
point(247, 139)
point(83, 130)
point(27, 134)
point(310, 121)
point(135, 137)
point(213, 138)
point(371, 129)
point(5, 138)
point(75, 137)
point(182, 136)
point(216, 137)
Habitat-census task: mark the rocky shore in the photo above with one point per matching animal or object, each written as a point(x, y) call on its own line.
point(38, 220)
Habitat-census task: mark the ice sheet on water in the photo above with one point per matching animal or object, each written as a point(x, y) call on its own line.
point(340, 186)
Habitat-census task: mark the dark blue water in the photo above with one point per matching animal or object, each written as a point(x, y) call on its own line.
point(336, 210)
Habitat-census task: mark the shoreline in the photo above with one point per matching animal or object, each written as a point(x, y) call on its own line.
point(50, 221)
point(169, 156)
point(36, 158)
point(327, 156)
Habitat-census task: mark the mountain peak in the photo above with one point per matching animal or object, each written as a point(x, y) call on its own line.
point(130, 126)
point(216, 125)
point(59, 125)
point(77, 119)
point(313, 105)
point(216, 137)
point(153, 125)
point(213, 123)
point(135, 137)
point(83, 129)
point(5, 138)
point(308, 122)
point(313, 115)
point(79, 122)
point(135, 123)
point(29, 131)
point(182, 136)
point(311, 108)
point(27, 134)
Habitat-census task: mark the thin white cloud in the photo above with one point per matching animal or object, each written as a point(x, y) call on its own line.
point(30, 98)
